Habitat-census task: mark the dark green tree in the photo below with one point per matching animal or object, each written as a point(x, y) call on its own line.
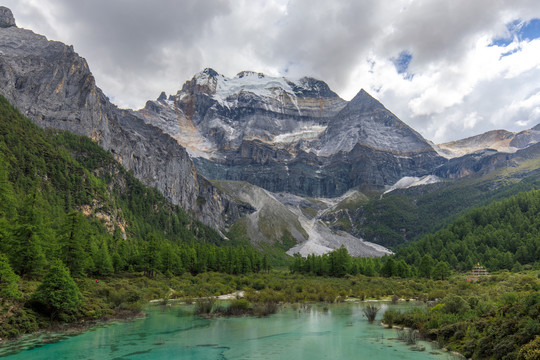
point(152, 255)
point(441, 271)
point(402, 269)
point(426, 266)
point(71, 244)
point(7, 195)
point(340, 262)
point(26, 251)
point(389, 267)
point(8, 280)
point(102, 261)
point(57, 296)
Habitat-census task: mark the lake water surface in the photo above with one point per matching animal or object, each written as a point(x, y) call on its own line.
point(172, 332)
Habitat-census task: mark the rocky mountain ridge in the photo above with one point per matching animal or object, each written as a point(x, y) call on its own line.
point(499, 140)
point(53, 86)
point(286, 135)
point(294, 138)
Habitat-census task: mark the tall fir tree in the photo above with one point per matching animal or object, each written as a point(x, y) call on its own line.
point(9, 288)
point(103, 261)
point(27, 256)
point(71, 245)
point(58, 295)
point(151, 255)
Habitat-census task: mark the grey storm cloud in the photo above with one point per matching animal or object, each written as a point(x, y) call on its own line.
point(137, 48)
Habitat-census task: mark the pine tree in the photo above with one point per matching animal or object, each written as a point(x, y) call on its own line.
point(103, 262)
point(152, 258)
point(26, 251)
point(441, 271)
point(7, 197)
point(118, 263)
point(71, 245)
point(265, 265)
point(8, 280)
point(389, 267)
point(57, 295)
point(426, 265)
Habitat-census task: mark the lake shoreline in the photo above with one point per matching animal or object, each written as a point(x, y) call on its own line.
point(404, 328)
point(78, 327)
point(162, 328)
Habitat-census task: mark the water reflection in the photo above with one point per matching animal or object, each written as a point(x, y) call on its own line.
point(297, 332)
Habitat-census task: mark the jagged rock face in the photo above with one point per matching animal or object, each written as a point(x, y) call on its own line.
point(526, 138)
point(293, 136)
point(6, 17)
point(485, 161)
point(48, 82)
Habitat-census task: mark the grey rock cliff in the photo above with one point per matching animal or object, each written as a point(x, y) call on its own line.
point(52, 85)
point(293, 136)
point(6, 17)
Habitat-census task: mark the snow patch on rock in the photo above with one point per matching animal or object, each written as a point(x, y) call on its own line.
point(410, 181)
point(303, 132)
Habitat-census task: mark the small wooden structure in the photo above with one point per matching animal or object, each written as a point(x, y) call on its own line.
point(477, 272)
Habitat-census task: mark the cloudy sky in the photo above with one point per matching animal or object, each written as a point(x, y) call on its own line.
point(450, 69)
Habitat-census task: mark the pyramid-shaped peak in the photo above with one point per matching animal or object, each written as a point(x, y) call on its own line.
point(363, 95)
point(364, 100)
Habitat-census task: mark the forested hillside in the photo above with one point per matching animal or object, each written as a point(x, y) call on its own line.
point(69, 211)
point(405, 215)
point(502, 235)
point(89, 212)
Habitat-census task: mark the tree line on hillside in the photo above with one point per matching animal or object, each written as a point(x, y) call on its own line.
point(502, 235)
point(339, 263)
point(69, 210)
point(406, 215)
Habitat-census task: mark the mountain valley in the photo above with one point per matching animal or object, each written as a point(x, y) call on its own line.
point(235, 199)
point(273, 156)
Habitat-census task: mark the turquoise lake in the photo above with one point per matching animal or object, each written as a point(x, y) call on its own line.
point(172, 332)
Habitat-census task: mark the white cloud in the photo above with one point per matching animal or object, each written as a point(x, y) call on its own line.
point(456, 84)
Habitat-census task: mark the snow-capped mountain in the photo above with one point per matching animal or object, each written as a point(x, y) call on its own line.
point(293, 135)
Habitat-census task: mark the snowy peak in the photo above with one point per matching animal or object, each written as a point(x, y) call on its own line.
point(243, 74)
point(292, 135)
point(226, 91)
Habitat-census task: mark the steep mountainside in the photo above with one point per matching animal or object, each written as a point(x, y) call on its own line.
point(294, 223)
point(48, 82)
point(64, 172)
point(285, 135)
point(502, 235)
point(287, 138)
point(404, 215)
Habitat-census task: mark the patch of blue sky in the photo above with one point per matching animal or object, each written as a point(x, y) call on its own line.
point(401, 63)
point(519, 30)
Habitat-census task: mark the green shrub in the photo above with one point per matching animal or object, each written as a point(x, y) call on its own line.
point(455, 304)
point(370, 311)
point(203, 306)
